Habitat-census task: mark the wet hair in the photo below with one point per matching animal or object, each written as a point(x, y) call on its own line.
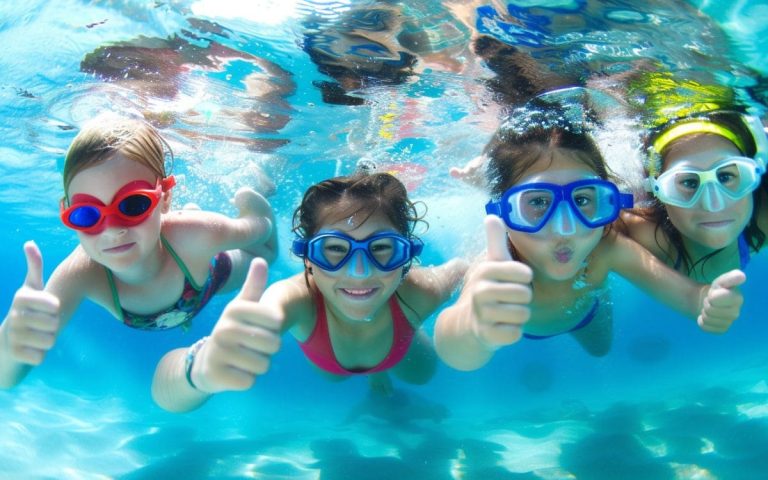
point(107, 135)
point(657, 213)
point(511, 153)
point(359, 194)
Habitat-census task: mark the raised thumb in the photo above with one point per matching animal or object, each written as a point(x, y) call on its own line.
point(255, 281)
point(729, 280)
point(496, 234)
point(34, 278)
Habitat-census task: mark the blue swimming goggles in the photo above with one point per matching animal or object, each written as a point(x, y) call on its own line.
point(528, 207)
point(683, 186)
point(331, 250)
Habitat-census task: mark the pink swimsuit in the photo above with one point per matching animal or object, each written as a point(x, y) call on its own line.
point(319, 350)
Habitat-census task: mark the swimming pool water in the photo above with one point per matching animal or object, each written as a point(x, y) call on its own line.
point(236, 99)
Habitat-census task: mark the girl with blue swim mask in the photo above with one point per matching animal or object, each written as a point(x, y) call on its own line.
point(705, 177)
point(551, 248)
point(356, 308)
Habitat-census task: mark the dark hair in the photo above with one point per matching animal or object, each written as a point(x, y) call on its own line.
point(361, 193)
point(512, 153)
point(658, 211)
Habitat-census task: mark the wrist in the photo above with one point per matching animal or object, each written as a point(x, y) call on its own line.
point(189, 363)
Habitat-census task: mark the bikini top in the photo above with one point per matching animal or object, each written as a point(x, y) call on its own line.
point(318, 349)
point(744, 255)
point(193, 297)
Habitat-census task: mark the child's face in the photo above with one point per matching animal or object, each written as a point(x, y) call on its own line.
point(710, 229)
point(358, 289)
point(550, 253)
point(118, 247)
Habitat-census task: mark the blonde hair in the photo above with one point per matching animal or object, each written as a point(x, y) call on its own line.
point(109, 134)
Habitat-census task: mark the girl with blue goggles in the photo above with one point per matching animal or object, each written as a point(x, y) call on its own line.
point(529, 207)
point(331, 250)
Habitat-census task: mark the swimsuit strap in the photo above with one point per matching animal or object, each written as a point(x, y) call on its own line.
point(115, 297)
point(180, 263)
point(176, 258)
point(743, 251)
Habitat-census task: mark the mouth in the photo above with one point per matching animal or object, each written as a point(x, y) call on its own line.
point(120, 248)
point(358, 293)
point(563, 254)
point(717, 224)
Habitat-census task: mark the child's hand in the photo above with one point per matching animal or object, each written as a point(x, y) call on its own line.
point(251, 203)
point(32, 324)
point(501, 292)
point(472, 173)
point(243, 340)
point(722, 303)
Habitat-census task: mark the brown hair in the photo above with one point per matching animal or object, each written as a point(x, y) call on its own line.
point(106, 135)
point(361, 193)
point(512, 153)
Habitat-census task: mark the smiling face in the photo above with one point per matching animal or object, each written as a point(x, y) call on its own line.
point(699, 226)
point(558, 251)
point(358, 289)
point(118, 247)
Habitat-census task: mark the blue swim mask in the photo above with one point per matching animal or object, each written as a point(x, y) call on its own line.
point(684, 185)
point(331, 250)
point(529, 207)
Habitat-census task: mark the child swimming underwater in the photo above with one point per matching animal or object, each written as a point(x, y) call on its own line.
point(355, 310)
point(150, 267)
point(545, 271)
point(710, 211)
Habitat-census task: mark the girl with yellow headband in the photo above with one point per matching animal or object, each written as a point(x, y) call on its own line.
point(709, 210)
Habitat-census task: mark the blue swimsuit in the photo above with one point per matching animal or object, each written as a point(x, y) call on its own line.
point(193, 297)
point(744, 254)
point(583, 323)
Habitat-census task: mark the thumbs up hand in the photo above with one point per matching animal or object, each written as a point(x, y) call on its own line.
point(243, 340)
point(722, 302)
point(33, 322)
point(500, 291)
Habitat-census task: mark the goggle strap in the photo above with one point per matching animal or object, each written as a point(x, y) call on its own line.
point(299, 247)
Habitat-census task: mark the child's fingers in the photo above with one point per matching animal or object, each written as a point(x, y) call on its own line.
point(255, 281)
point(496, 235)
point(34, 278)
point(729, 280)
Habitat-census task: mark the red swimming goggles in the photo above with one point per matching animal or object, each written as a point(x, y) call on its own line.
point(131, 205)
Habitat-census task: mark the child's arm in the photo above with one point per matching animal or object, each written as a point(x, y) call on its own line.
point(428, 288)
point(715, 306)
point(35, 318)
point(209, 232)
point(238, 350)
point(491, 310)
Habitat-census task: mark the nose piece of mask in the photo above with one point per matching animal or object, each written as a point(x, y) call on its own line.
point(563, 221)
point(358, 266)
point(712, 198)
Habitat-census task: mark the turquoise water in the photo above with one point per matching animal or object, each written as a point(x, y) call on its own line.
point(667, 402)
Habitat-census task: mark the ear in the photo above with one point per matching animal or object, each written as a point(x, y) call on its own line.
point(165, 202)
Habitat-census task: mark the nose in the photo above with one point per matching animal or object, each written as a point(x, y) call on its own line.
point(358, 266)
point(563, 221)
point(113, 226)
point(712, 198)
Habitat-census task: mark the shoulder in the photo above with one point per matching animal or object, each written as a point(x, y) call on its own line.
point(640, 228)
point(425, 289)
point(294, 299)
